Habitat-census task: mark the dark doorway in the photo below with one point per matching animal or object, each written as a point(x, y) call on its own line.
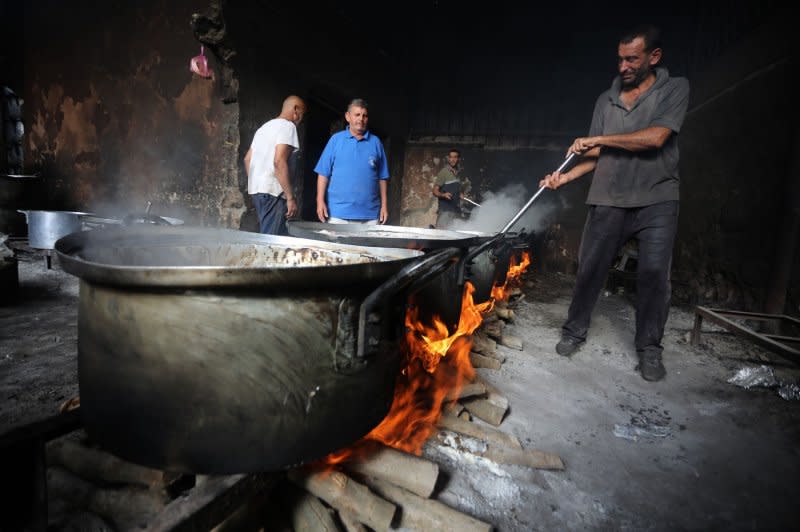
point(321, 121)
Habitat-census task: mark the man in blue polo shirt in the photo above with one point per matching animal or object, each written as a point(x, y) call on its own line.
point(352, 173)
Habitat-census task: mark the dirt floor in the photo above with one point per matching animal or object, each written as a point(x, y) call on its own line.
point(691, 452)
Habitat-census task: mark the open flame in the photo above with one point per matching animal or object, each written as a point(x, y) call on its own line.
point(437, 366)
point(513, 277)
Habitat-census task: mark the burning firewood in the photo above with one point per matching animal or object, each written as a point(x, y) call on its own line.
point(346, 495)
point(481, 361)
point(474, 430)
point(93, 464)
point(401, 469)
point(425, 514)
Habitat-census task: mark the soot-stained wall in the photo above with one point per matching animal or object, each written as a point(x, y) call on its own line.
point(737, 160)
point(116, 119)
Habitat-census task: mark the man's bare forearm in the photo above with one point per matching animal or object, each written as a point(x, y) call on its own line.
point(645, 139)
point(282, 174)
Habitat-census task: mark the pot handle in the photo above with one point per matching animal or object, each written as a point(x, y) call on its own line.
point(493, 242)
point(430, 265)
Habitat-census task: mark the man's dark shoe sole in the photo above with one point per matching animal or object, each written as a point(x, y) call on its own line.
point(567, 346)
point(652, 369)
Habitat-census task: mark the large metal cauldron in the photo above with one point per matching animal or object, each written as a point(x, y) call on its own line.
point(219, 351)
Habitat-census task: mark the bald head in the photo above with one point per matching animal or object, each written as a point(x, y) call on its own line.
point(293, 109)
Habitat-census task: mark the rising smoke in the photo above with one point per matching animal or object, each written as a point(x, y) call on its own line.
point(497, 209)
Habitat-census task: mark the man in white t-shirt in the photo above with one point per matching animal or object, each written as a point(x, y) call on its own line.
point(267, 167)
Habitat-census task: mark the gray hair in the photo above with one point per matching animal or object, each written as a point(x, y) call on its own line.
point(357, 102)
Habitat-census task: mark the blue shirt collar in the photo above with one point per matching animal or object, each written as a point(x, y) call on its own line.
point(351, 136)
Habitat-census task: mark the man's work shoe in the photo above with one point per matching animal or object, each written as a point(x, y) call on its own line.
point(568, 345)
point(651, 367)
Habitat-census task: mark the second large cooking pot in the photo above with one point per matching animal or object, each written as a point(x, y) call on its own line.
point(394, 236)
point(442, 296)
point(219, 351)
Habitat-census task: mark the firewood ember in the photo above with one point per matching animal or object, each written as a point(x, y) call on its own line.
point(93, 464)
point(511, 341)
point(425, 514)
point(471, 389)
point(480, 361)
point(410, 472)
point(126, 508)
point(480, 432)
point(505, 314)
point(491, 409)
point(344, 494)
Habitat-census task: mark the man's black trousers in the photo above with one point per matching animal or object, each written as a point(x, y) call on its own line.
point(606, 230)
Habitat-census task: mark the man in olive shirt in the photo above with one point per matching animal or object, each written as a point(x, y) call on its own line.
point(632, 149)
point(447, 188)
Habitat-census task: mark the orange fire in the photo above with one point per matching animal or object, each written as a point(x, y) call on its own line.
point(515, 271)
point(437, 365)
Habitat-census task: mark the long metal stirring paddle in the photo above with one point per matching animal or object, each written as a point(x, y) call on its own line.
point(530, 201)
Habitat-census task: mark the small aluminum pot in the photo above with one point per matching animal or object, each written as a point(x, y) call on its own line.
point(45, 227)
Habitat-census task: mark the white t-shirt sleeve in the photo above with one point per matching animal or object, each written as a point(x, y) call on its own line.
point(262, 177)
point(287, 134)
